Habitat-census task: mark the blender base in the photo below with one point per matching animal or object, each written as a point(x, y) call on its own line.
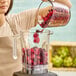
point(24, 74)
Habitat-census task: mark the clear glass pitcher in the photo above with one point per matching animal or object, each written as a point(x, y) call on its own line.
point(55, 14)
point(35, 49)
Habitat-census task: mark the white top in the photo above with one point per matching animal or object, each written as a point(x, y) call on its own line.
point(23, 21)
point(5, 30)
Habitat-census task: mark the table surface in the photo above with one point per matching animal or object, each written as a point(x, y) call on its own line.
point(59, 73)
point(24, 74)
point(65, 73)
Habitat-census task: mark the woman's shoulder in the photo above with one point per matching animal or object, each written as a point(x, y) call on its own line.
point(28, 11)
point(9, 16)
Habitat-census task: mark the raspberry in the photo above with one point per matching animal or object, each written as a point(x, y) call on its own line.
point(37, 52)
point(23, 50)
point(41, 63)
point(36, 40)
point(33, 56)
point(35, 63)
point(38, 62)
point(23, 57)
point(39, 31)
point(29, 61)
point(28, 52)
point(27, 58)
point(46, 54)
point(50, 14)
point(32, 50)
point(36, 56)
point(35, 35)
point(45, 62)
point(32, 61)
point(42, 24)
point(45, 19)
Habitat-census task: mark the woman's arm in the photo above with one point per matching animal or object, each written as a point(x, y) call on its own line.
point(26, 19)
point(65, 2)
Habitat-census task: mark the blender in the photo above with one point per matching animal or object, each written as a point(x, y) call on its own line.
point(35, 46)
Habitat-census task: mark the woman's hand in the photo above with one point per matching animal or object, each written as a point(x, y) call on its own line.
point(65, 2)
point(44, 0)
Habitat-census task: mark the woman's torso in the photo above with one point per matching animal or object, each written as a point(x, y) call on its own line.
point(22, 21)
point(8, 65)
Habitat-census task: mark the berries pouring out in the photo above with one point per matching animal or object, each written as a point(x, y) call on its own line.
point(46, 19)
point(36, 36)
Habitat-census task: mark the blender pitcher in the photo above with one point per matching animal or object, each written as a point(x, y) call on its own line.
point(35, 51)
point(35, 44)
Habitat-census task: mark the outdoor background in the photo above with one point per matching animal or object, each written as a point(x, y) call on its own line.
point(66, 33)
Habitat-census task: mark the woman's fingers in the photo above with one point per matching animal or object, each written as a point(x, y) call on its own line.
point(44, 0)
point(65, 2)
